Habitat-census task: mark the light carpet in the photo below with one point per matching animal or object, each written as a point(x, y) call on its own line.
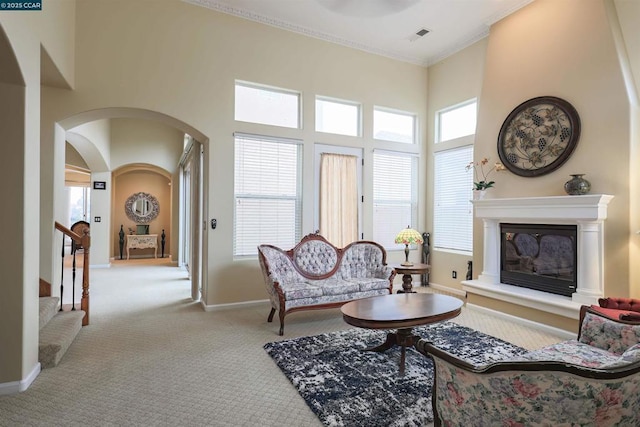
point(153, 357)
point(345, 386)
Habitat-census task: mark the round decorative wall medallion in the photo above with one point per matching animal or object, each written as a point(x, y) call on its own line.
point(538, 136)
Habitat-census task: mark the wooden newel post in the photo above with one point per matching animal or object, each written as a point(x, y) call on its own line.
point(84, 301)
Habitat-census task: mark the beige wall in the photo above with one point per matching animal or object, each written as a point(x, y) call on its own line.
point(451, 81)
point(96, 145)
point(20, 130)
point(564, 49)
point(110, 145)
point(626, 13)
point(522, 312)
point(73, 158)
point(138, 143)
point(137, 181)
point(191, 78)
point(579, 65)
point(145, 141)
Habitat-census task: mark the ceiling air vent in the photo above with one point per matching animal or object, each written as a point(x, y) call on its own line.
point(418, 34)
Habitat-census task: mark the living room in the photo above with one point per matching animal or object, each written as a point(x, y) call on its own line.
point(182, 61)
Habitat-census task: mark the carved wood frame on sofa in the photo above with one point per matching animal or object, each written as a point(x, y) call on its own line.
point(594, 380)
point(317, 275)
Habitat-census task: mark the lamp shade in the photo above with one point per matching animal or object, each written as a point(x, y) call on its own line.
point(409, 236)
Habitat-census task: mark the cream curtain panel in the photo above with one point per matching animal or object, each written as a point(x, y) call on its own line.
point(339, 198)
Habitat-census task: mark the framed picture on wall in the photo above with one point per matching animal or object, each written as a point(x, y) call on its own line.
point(99, 185)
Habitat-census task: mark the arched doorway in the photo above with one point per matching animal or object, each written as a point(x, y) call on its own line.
point(107, 170)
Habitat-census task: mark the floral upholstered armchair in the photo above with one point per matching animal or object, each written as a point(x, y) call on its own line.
point(591, 381)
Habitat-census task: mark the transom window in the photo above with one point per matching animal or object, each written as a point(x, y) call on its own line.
point(457, 121)
point(336, 116)
point(265, 105)
point(396, 126)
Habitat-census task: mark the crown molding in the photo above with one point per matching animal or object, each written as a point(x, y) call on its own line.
point(241, 13)
point(424, 62)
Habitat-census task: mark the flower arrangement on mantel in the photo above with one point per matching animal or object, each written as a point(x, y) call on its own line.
point(480, 172)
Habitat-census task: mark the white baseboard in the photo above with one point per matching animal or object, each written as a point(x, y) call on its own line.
point(525, 322)
point(230, 306)
point(15, 387)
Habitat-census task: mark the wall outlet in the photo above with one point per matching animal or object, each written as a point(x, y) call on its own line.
point(454, 274)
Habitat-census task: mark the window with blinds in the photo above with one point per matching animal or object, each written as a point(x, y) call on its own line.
point(453, 211)
point(267, 193)
point(394, 195)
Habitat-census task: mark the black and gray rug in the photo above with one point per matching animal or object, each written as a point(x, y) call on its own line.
point(348, 387)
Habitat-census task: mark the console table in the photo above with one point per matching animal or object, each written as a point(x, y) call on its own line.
point(142, 241)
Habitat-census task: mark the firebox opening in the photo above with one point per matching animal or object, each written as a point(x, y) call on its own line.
point(540, 257)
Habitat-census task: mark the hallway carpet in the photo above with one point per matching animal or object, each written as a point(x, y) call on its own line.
point(152, 356)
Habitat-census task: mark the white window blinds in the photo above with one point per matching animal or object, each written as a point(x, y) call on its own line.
point(394, 195)
point(453, 210)
point(267, 193)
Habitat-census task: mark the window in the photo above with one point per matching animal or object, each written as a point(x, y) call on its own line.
point(394, 195)
point(453, 211)
point(339, 117)
point(267, 193)
point(394, 126)
point(79, 203)
point(457, 121)
point(269, 106)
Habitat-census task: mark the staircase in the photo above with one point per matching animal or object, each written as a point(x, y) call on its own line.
point(58, 329)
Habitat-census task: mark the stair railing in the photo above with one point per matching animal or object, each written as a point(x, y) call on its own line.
point(77, 241)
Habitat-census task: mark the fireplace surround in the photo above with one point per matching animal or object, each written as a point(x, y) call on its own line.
point(587, 213)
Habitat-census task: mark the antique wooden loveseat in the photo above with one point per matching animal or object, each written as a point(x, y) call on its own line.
point(316, 275)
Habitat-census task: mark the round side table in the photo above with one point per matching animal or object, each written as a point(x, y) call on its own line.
point(407, 271)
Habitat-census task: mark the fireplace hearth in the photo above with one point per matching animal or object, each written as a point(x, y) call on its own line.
point(539, 256)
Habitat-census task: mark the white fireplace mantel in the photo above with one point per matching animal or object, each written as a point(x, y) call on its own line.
point(587, 212)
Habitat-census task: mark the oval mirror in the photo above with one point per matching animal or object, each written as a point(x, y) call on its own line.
point(142, 208)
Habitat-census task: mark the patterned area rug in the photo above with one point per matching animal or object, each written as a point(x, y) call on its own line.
point(348, 387)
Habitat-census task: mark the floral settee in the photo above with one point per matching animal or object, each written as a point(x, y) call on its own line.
point(315, 274)
point(591, 381)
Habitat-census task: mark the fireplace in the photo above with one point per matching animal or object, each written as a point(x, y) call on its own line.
point(539, 256)
point(586, 213)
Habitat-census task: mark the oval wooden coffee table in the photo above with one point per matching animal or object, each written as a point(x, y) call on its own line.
point(401, 312)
